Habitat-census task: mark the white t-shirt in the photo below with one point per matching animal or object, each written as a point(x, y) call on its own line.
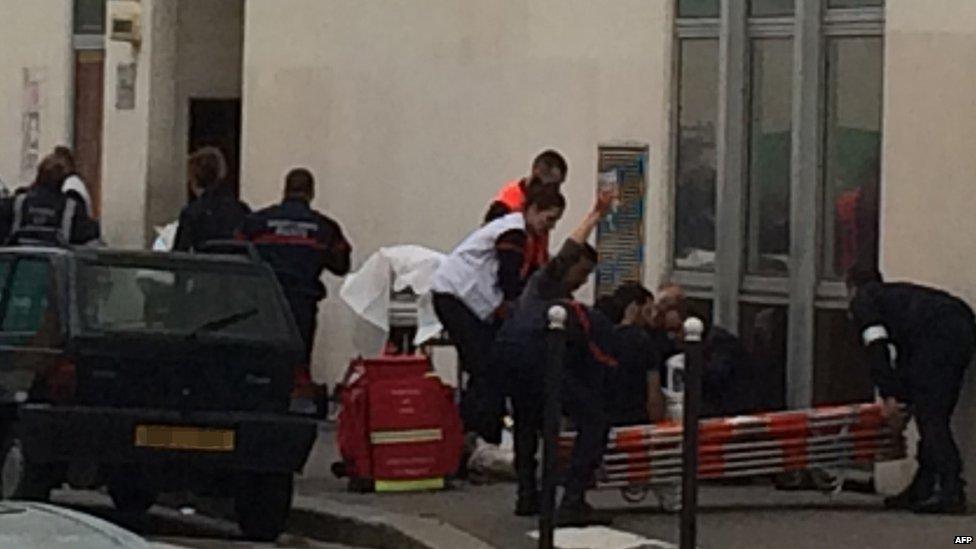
point(470, 272)
point(74, 183)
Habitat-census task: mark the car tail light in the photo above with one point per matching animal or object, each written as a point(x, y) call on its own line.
point(62, 381)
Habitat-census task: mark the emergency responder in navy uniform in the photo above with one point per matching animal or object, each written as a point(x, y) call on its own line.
point(216, 213)
point(520, 348)
point(43, 215)
point(299, 243)
point(920, 341)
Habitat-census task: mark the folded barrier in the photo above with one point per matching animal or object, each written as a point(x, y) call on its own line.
point(745, 446)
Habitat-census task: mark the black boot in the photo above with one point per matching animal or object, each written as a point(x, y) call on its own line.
point(527, 505)
point(949, 499)
point(921, 488)
point(576, 512)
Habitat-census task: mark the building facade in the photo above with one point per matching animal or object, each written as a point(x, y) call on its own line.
point(785, 139)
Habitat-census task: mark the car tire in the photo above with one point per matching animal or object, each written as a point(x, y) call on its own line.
point(262, 503)
point(130, 491)
point(19, 478)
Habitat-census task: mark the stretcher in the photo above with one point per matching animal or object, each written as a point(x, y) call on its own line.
point(644, 457)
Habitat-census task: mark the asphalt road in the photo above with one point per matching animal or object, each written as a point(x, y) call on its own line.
point(168, 527)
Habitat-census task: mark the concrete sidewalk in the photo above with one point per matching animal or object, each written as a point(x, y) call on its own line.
point(730, 516)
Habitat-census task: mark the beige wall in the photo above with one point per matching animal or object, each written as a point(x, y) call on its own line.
point(138, 142)
point(412, 114)
point(36, 35)
point(929, 165)
point(191, 49)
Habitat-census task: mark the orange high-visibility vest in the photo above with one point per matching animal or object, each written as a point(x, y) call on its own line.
point(536, 248)
point(512, 195)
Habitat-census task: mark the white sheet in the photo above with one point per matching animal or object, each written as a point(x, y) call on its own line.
point(367, 291)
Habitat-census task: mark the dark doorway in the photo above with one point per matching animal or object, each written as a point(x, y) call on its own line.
point(217, 123)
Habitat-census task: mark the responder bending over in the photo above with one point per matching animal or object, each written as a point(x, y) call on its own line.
point(299, 243)
point(521, 349)
point(920, 341)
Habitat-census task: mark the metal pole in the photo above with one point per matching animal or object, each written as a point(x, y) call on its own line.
point(556, 344)
point(694, 363)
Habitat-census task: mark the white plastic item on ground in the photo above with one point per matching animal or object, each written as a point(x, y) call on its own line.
point(367, 291)
point(892, 477)
point(494, 461)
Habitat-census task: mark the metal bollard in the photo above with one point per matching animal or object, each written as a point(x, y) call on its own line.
point(555, 346)
point(694, 363)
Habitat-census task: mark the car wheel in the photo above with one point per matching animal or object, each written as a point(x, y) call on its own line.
point(130, 491)
point(263, 502)
point(20, 479)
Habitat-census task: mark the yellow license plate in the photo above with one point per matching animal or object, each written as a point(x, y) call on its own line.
point(184, 438)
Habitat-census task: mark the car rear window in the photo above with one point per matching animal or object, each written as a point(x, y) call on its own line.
point(26, 297)
point(181, 300)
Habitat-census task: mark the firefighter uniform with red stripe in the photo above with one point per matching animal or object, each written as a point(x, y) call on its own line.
point(521, 346)
point(299, 243)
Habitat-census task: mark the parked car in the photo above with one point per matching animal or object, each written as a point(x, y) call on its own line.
point(149, 373)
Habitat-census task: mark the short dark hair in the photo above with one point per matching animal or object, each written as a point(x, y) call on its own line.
point(632, 292)
point(551, 159)
point(543, 197)
point(51, 172)
point(299, 183)
point(208, 167)
point(861, 274)
point(64, 153)
point(610, 308)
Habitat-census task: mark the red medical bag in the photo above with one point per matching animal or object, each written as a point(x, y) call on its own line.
point(399, 428)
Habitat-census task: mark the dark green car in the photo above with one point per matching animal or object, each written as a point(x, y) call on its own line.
point(149, 373)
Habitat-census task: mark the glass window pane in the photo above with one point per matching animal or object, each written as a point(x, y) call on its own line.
point(853, 145)
point(771, 8)
point(762, 329)
point(770, 128)
point(842, 373)
point(89, 17)
point(28, 298)
point(855, 3)
point(695, 173)
point(698, 8)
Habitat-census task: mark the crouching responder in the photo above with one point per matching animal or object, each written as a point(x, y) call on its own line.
point(920, 341)
point(299, 243)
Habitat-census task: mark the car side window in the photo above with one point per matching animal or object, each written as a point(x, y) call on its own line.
point(27, 298)
point(4, 271)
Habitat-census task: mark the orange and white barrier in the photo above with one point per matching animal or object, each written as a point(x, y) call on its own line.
point(753, 445)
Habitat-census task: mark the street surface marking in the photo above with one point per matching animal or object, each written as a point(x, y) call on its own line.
point(601, 537)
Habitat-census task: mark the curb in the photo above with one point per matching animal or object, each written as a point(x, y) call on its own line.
point(331, 521)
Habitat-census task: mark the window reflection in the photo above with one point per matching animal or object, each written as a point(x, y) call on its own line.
point(696, 169)
point(853, 142)
point(769, 156)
